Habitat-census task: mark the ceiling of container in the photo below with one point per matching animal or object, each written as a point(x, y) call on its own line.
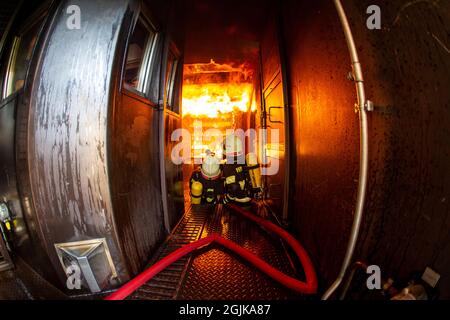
point(223, 30)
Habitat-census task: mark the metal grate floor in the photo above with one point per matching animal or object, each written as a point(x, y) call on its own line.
point(214, 273)
point(12, 287)
point(167, 283)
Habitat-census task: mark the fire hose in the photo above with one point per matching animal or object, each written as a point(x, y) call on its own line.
point(307, 287)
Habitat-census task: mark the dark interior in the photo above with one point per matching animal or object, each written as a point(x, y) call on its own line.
point(86, 140)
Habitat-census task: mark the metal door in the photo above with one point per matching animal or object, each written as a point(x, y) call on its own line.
point(275, 118)
point(275, 147)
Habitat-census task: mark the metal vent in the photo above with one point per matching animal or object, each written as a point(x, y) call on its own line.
point(93, 259)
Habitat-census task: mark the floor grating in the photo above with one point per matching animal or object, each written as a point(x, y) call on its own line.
point(213, 273)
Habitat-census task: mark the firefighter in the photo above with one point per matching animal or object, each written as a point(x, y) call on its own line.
point(242, 175)
point(6, 225)
point(206, 183)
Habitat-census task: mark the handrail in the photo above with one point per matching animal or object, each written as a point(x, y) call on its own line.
point(307, 287)
point(364, 150)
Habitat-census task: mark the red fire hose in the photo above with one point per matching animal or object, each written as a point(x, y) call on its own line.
point(308, 287)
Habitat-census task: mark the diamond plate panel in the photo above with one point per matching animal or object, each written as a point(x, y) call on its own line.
point(214, 273)
point(167, 283)
point(221, 275)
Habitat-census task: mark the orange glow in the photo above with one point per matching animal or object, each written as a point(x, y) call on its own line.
point(208, 100)
point(216, 96)
point(212, 89)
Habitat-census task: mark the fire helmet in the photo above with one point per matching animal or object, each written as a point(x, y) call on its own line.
point(211, 167)
point(233, 146)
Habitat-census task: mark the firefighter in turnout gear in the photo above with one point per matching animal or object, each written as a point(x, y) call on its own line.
point(206, 183)
point(242, 175)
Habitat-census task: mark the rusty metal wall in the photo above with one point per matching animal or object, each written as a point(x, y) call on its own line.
point(407, 71)
point(135, 177)
point(325, 132)
point(408, 75)
point(67, 133)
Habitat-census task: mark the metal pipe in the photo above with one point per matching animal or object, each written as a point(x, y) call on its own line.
point(364, 150)
point(347, 284)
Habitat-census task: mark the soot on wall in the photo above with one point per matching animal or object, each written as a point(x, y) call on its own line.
point(407, 72)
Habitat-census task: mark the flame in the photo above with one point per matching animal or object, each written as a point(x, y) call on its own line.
point(217, 96)
point(212, 89)
point(209, 100)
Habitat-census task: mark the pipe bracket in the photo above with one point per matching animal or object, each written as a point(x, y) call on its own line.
point(369, 106)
